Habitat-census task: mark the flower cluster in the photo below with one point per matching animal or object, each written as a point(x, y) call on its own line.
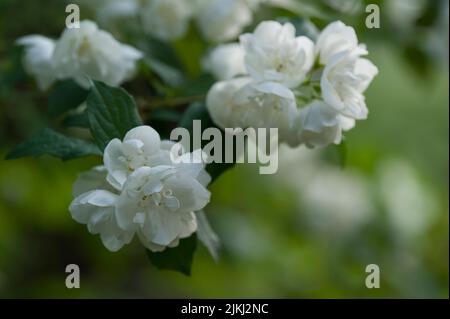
point(223, 20)
point(217, 20)
point(311, 92)
point(140, 191)
point(79, 54)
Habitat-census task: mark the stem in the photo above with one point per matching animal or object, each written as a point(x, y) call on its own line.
point(147, 105)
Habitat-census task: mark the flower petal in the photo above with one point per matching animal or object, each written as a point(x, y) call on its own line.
point(149, 137)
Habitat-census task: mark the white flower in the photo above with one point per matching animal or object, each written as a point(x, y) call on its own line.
point(94, 205)
point(344, 79)
point(159, 203)
point(90, 52)
point(111, 10)
point(278, 64)
point(141, 191)
point(335, 38)
point(242, 103)
point(38, 58)
point(254, 4)
point(409, 202)
point(318, 124)
point(221, 104)
point(166, 19)
point(223, 20)
point(336, 202)
point(95, 178)
point(347, 123)
point(141, 146)
point(226, 61)
point(266, 105)
point(274, 53)
point(110, 13)
point(405, 13)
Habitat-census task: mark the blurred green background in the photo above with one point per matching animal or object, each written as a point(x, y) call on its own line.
point(306, 232)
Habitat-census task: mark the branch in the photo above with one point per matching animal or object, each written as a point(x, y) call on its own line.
point(147, 105)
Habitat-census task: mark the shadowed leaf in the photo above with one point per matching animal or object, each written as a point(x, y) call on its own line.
point(50, 142)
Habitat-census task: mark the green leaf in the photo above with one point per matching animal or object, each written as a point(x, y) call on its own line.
point(77, 120)
point(304, 27)
point(13, 72)
point(342, 152)
point(430, 13)
point(53, 143)
point(165, 115)
point(217, 169)
point(66, 95)
point(164, 120)
point(178, 258)
point(312, 9)
point(419, 59)
point(162, 60)
point(207, 235)
point(336, 154)
point(170, 75)
point(112, 112)
point(198, 111)
point(161, 51)
point(190, 49)
point(198, 86)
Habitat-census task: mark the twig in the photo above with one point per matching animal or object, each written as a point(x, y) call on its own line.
point(147, 105)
